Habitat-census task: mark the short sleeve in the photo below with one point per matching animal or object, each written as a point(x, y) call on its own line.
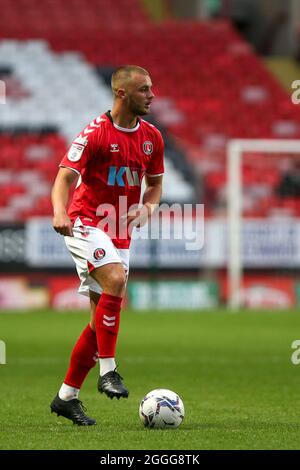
point(156, 163)
point(81, 150)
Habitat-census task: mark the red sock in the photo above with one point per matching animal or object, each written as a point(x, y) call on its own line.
point(83, 358)
point(107, 322)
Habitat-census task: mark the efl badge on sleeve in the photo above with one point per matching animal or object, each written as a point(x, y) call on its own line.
point(76, 149)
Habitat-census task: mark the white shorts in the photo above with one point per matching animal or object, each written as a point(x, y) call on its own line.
point(91, 248)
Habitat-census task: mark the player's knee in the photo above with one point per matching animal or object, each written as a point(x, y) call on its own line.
point(112, 279)
point(117, 282)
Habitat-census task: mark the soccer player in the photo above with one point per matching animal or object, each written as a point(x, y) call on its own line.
point(109, 158)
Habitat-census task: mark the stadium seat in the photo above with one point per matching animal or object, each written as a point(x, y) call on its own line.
point(218, 87)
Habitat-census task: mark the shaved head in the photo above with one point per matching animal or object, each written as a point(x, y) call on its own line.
point(122, 75)
point(132, 91)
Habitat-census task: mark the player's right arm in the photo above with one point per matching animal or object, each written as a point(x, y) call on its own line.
point(60, 195)
point(73, 163)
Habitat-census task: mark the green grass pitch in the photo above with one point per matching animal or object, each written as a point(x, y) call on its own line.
point(233, 372)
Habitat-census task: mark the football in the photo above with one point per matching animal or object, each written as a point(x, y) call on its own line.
point(161, 408)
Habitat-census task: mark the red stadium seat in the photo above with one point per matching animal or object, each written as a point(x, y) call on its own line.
point(203, 67)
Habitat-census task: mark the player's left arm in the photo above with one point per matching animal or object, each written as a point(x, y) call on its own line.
point(151, 199)
point(153, 192)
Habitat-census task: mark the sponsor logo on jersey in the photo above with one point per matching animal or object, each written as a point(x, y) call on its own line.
point(114, 148)
point(148, 147)
point(99, 254)
point(116, 176)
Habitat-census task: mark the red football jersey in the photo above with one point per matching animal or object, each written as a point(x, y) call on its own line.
point(112, 161)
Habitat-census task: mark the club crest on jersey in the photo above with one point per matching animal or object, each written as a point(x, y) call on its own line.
point(99, 254)
point(148, 147)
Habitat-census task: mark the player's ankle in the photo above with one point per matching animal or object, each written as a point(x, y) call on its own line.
point(67, 393)
point(107, 364)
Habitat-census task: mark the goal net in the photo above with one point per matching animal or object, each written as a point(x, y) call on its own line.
point(263, 225)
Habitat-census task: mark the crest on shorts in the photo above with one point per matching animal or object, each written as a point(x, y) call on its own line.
point(148, 147)
point(99, 254)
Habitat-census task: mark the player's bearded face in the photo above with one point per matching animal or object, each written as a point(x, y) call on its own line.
point(137, 107)
point(140, 96)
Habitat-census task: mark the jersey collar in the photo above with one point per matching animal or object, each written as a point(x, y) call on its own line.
point(123, 129)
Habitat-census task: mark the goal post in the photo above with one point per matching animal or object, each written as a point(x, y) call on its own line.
point(235, 150)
